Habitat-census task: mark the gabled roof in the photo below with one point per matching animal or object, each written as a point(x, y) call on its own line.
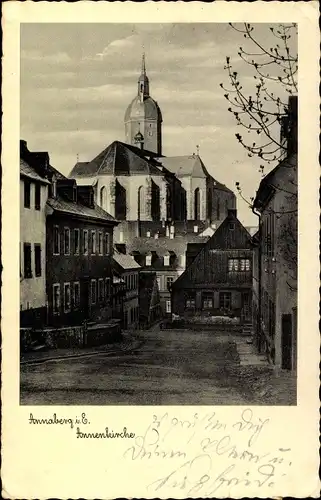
point(268, 183)
point(185, 166)
point(59, 204)
point(231, 235)
point(27, 171)
point(117, 159)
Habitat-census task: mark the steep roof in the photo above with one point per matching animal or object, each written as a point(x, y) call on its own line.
point(125, 261)
point(231, 235)
point(185, 166)
point(27, 170)
point(117, 159)
point(62, 205)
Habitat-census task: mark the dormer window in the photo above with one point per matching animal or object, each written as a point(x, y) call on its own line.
point(195, 229)
point(166, 260)
point(231, 226)
point(148, 234)
point(148, 260)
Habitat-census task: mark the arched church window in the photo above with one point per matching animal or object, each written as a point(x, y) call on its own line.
point(120, 202)
point(197, 207)
point(155, 205)
point(141, 203)
point(103, 198)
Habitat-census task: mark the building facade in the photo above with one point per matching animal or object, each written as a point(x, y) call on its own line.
point(276, 250)
point(79, 256)
point(33, 199)
point(218, 282)
point(129, 272)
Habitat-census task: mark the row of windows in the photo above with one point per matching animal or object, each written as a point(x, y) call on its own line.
point(239, 265)
point(100, 291)
point(27, 194)
point(167, 261)
point(225, 301)
point(100, 244)
point(168, 280)
point(27, 260)
point(131, 281)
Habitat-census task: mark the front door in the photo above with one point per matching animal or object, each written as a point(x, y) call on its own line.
point(286, 341)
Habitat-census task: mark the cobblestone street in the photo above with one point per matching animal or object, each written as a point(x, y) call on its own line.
point(169, 367)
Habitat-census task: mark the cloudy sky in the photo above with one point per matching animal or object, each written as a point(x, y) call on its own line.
point(77, 80)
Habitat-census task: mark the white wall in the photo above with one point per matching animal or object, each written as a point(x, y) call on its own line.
point(33, 230)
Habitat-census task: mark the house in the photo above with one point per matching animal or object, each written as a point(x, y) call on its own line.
point(128, 270)
point(218, 280)
point(79, 255)
point(149, 301)
point(164, 255)
point(276, 247)
point(33, 198)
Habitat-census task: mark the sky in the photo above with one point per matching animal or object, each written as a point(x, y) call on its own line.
point(77, 80)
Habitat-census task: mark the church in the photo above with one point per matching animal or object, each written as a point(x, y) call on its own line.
point(155, 198)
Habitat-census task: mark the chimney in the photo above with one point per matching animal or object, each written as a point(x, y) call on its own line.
point(232, 213)
point(292, 138)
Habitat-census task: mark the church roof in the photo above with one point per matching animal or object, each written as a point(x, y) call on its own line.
point(190, 166)
point(146, 109)
point(117, 159)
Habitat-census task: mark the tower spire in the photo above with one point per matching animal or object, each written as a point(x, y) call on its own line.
point(143, 64)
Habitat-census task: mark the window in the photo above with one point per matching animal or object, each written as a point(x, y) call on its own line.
point(66, 241)
point(37, 196)
point(107, 243)
point(190, 303)
point(93, 242)
point(159, 281)
point(100, 290)
point(56, 299)
point(85, 242)
point(166, 260)
point(231, 226)
point(76, 241)
point(100, 243)
point(107, 289)
point(56, 242)
point(182, 260)
point(67, 301)
point(169, 282)
point(76, 295)
point(233, 264)
point(148, 260)
point(37, 259)
point(168, 306)
point(225, 300)
point(245, 264)
point(207, 299)
point(27, 260)
point(93, 291)
point(27, 188)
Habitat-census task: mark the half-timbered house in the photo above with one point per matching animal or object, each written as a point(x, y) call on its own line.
point(218, 281)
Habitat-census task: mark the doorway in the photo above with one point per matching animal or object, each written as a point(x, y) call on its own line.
point(286, 342)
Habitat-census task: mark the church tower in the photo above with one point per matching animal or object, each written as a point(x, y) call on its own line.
point(143, 118)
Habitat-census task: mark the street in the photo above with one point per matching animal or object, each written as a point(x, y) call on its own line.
point(169, 367)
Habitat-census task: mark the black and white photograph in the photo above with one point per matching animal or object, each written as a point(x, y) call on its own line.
point(158, 213)
point(160, 328)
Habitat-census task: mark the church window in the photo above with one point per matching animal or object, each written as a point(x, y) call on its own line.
point(155, 205)
point(141, 203)
point(197, 204)
point(103, 198)
point(120, 202)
